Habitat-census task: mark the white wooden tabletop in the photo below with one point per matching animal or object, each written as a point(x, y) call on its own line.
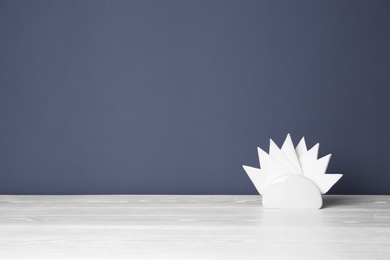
point(191, 227)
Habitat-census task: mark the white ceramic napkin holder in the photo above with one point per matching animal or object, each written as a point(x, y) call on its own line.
point(292, 178)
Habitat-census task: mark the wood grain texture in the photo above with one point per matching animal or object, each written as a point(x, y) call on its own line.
point(191, 227)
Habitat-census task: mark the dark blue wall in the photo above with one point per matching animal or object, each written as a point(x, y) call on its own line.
point(174, 96)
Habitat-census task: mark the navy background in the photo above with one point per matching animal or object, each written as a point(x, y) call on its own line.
point(173, 97)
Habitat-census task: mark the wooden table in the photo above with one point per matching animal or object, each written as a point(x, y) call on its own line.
point(191, 227)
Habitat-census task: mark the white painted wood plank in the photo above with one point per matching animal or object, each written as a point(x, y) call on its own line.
point(191, 227)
